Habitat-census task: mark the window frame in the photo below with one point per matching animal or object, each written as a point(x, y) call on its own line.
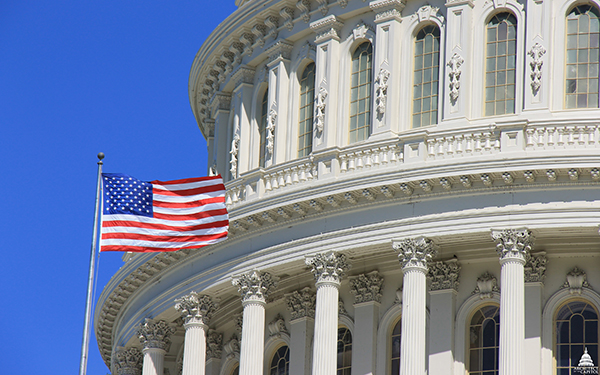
point(440, 89)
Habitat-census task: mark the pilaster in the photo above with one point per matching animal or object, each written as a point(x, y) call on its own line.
point(537, 61)
point(155, 337)
point(328, 268)
point(513, 247)
point(414, 256)
point(220, 110)
point(242, 133)
point(301, 305)
point(535, 272)
point(214, 350)
point(326, 80)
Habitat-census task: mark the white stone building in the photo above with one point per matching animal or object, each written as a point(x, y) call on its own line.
point(460, 138)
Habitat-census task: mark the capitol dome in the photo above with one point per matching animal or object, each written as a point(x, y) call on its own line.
point(413, 188)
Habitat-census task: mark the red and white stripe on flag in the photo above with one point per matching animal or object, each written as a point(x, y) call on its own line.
point(183, 214)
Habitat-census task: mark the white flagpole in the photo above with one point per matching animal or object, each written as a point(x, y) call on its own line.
point(88, 299)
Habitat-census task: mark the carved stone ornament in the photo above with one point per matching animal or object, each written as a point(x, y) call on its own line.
point(414, 252)
point(425, 13)
point(398, 299)
point(214, 345)
point(342, 309)
point(366, 287)
point(301, 303)
point(304, 8)
point(382, 86)
point(271, 121)
point(235, 149)
point(196, 308)
point(329, 267)
point(444, 275)
point(232, 347)
point(361, 29)
point(280, 50)
point(128, 361)
point(277, 326)
point(386, 10)
point(576, 281)
point(536, 52)
point(535, 268)
point(326, 28)
point(287, 13)
point(239, 322)
point(155, 334)
point(513, 243)
point(212, 171)
point(454, 64)
point(255, 285)
point(320, 109)
point(487, 284)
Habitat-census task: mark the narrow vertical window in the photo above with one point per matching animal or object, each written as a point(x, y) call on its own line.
point(344, 351)
point(483, 338)
point(576, 327)
point(262, 129)
point(581, 86)
point(395, 346)
point(425, 79)
point(500, 65)
point(280, 364)
point(307, 97)
point(360, 93)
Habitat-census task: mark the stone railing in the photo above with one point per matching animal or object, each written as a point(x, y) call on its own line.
point(281, 176)
point(561, 136)
point(456, 144)
point(370, 155)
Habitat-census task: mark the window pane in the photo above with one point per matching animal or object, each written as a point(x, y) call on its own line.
point(484, 341)
point(576, 329)
point(500, 63)
point(307, 98)
point(426, 74)
point(360, 93)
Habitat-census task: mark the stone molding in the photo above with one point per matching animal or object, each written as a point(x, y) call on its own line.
point(280, 50)
point(277, 327)
point(214, 344)
point(513, 243)
point(155, 334)
point(329, 267)
point(366, 287)
point(255, 286)
point(487, 285)
point(576, 281)
point(326, 28)
point(386, 10)
point(535, 268)
point(243, 74)
point(197, 308)
point(301, 303)
point(232, 347)
point(220, 101)
point(444, 275)
point(414, 252)
point(128, 361)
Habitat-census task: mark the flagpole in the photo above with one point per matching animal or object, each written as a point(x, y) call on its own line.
point(88, 299)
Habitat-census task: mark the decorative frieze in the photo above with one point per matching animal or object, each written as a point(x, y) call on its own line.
point(366, 287)
point(155, 334)
point(326, 28)
point(487, 285)
point(386, 10)
point(128, 361)
point(255, 285)
point(196, 307)
point(329, 267)
point(535, 268)
point(214, 344)
point(277, 327)
point(301, 303)
point(454, 73)
point(414, 252)
point(576, 281)
point(444, 274)
point(536, 52)
point(513, 243)
point(381, 93)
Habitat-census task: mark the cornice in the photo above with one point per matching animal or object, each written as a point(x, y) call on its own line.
point(327, 28)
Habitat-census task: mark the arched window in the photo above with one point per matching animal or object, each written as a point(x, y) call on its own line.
point(581, 86)
point(483, 338)
point(280, 364)
point(360, 93)
point(425, 79)
point(262, 129)
point(576, 326)
point(395, 346)
point(307, 97)
point(500, 65)
point(236, 370)
point(344, 351)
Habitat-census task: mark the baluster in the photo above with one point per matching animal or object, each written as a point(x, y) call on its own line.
point(530, 137)
point(540, 135)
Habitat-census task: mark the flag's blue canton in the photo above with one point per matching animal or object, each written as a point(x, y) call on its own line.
point(126, 195)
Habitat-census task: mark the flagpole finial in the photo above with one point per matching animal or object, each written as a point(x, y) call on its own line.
point(100, 156)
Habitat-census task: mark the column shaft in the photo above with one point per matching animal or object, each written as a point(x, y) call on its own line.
point(154, 361)
point(253, 338)
point(512, 316)
point(194, 351)
point(326, 325)
point(414, 293)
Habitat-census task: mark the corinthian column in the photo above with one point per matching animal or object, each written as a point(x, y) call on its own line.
point(328, 268)
point(513, 246)
point(155, 338)
point(254, 288)
point(414, 254)
point(196, 311)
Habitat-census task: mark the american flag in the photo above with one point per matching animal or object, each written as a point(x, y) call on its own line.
point(141, 216)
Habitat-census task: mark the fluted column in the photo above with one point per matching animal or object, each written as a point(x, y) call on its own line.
point(513, 246)
point(414, 254)
point(254, 288)
point(155, 337)
point(127, 361)
point(196, 311)
point(329, 268)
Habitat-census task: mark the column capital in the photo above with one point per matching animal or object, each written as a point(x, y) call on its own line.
point(444, 274)
point(366, 287)
point(214, 344)
point(329, 267)
point(513, 244)
point(155, 334)
point(255, 286)
point(301, 303)
point(535, 268)
point(196, 308)
point(280, 50)
point(326, 28)
point(243, 74)
point(128, 361)
point(414, 252)
point(386, 10)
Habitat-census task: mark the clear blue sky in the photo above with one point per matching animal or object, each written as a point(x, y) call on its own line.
point(77, 78)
